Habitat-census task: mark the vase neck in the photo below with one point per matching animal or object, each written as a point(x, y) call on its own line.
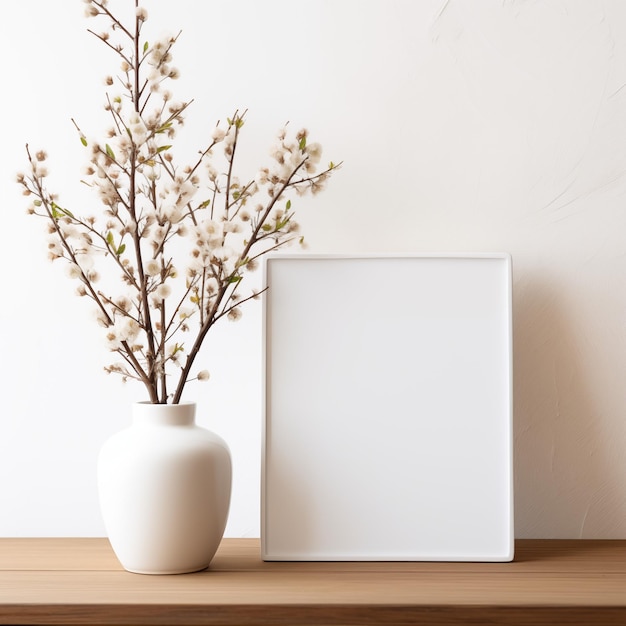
point(146, 413)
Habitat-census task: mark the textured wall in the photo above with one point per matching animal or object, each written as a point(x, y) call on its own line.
point(464, 126)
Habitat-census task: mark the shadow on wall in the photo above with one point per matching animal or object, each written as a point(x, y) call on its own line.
point(563, 476)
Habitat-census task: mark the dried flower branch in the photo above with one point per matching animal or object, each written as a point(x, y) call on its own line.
point(181, 238)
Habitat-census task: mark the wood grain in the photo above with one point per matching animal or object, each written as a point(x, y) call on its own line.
point(79, 581)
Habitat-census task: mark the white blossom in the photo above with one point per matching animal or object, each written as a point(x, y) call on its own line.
point(234, 314)
point(185, 313)
point(212, 172)
point(211, 232)
point(124, 303)
point(126, 328)
point(212, 286)
point(101, 318)
point(114, 342)
point(137, 128)
point(91, 11)
point(55, 249)
point(232, 227)
point(223, 253)
point(218, 134)
point(73, 270)
point(314, 151)
point(163, 291)
point(152, 268)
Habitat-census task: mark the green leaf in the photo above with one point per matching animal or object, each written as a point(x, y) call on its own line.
point(121, 249)
point(266, 228)
point(178, 348)
point(58, 211)
point(109, 151)
point(145, 47)
point(110, 238)
point(163, 149)
point(233, 279)
point(83, 140)
point(288, 205)
point(302, 144)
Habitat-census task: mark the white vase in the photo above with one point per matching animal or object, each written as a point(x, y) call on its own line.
point(164, 486)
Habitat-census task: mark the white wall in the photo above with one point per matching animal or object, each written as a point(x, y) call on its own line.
point(483, 125)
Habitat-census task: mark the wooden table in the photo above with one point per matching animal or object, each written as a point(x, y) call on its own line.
point(78, 581)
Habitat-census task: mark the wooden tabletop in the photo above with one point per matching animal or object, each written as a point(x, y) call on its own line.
point(79, 581)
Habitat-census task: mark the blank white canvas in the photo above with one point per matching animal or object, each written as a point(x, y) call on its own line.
point(388, 409)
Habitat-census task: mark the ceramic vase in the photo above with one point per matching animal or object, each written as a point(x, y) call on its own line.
point(164, 485)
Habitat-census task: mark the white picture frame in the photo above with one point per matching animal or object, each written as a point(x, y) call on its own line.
point(388, 408)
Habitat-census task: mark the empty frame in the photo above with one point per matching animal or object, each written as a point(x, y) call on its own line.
point(388, 415)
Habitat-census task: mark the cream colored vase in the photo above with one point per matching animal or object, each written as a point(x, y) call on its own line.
point(164, 486)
